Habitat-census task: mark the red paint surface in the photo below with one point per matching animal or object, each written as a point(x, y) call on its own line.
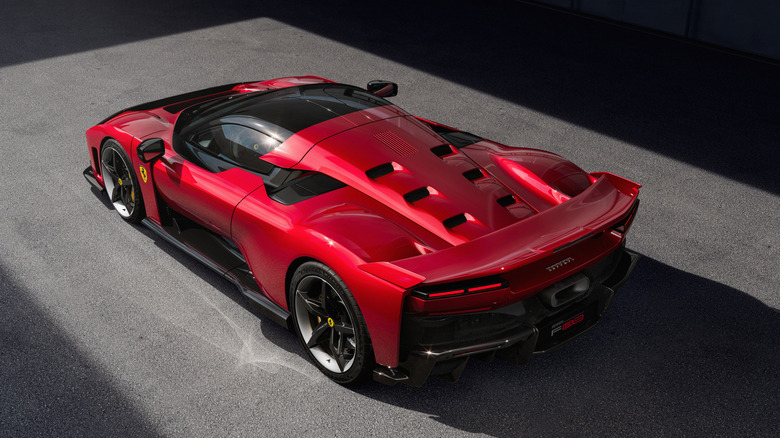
point(377, 242)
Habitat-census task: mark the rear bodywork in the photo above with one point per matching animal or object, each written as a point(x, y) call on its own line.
point(452, 245)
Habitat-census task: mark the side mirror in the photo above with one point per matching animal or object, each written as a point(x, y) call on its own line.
point(151, 149)
point(382, 88)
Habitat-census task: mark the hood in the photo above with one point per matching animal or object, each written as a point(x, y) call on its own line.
point(407, 167)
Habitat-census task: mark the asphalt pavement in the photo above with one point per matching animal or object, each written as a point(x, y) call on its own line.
point(105, 329)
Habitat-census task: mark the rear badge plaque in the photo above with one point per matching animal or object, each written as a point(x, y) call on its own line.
point(559, 330)
point(561, 326)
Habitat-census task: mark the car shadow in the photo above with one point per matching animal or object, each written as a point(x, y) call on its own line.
point(676, 354)
point(102, 197)
point(272, 331)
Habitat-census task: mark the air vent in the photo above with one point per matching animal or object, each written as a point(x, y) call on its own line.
point(460, 139)
point(473, 174)
point(443, 150)
point(454, 221)
point(304, 187)
point(416, 195)
point(506, 201)
point(381, 170)
point(396, 143)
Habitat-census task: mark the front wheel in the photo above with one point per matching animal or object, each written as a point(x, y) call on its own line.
point(330, 324)
point(120, 181)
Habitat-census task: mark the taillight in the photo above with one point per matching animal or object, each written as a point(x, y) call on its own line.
point(460, 289)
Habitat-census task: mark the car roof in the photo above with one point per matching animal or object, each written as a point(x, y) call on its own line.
point(283, 112)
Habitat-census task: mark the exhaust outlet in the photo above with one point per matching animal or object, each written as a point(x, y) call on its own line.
point(565, 291)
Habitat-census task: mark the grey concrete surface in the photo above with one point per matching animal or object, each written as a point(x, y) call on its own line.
point(107, 330)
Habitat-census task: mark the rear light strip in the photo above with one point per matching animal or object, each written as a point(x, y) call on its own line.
point(447, 293)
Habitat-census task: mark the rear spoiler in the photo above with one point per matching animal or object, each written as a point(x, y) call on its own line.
point(599, 207)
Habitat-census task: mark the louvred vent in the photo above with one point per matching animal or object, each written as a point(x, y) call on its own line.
point(454, 221)
point(417, 194)
point(474, 174)
point(396, 143)
point(381, 170)
point(443, 150)
point(506, 201)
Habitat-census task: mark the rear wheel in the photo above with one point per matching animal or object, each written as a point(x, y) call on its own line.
point(330, 324)
point(121, 183)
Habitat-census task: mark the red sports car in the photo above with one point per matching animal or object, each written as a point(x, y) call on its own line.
point(392, 245)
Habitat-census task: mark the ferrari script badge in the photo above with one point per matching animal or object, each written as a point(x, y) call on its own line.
point(559, 264)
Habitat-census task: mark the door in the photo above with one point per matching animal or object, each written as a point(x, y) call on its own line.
point(212, 171)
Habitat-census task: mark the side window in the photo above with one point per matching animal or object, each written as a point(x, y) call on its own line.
point(238, 145)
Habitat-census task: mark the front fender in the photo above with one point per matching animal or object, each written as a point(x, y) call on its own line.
point(95, 138)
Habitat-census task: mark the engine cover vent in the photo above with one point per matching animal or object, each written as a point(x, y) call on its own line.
point(396, 143)
point(417, 195)
point(381, 170)
point(454, 221)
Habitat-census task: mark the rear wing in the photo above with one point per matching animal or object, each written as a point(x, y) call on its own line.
point(607, 202)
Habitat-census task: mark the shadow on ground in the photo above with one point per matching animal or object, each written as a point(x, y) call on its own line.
point(48, 387)
point(676, 355)
point(709, 109)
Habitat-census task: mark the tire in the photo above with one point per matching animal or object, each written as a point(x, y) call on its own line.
point(121, 183)
point(329, 324)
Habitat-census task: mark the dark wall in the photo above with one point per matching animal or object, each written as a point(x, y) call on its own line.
point(747, 25)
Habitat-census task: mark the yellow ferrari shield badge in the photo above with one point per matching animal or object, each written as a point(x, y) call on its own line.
point(142, 170)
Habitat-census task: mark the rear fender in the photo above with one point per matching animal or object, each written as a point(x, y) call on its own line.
point(273, 236)
point(366, 234)
point(536, 239)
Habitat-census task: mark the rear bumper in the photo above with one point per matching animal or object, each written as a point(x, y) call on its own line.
point(442, 345)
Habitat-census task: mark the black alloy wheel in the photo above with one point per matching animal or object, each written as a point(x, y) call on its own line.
point(330, 324)
point(120, 181)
